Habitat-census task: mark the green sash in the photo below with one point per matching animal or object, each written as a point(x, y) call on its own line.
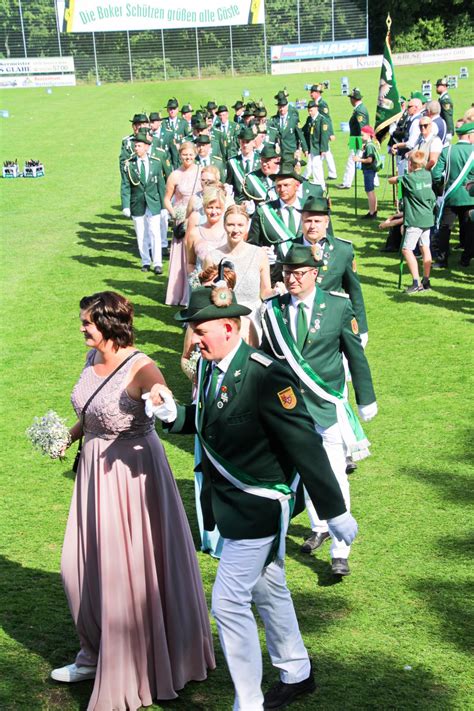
point(275, 230)
point(238, 171)
point(255, 188)
point(284, 493)
point(352, 433)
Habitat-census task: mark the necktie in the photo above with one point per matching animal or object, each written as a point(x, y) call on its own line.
point(142, 172)
point(247, 166)
point(291, 220)
point(301, 326)
point(211, 391)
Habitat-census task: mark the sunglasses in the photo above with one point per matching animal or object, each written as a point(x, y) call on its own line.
point(424, 125)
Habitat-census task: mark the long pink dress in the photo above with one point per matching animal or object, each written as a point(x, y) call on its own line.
point(128, 565)
point(188, 182)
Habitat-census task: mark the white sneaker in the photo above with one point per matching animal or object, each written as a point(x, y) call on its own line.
point(72, 673)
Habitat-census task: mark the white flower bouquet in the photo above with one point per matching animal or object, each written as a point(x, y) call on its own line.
point(49, 434)
point(179, 214)
point(190, 364)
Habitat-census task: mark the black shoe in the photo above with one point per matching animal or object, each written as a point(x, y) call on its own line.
point(314, 542)
point(329, 178)
point(464, 262)
point(425, 283)
point(440, 264)
point(158, 270)
point(414, 288)
point(340, 566)
point(351, 466)
point(282, 694)
point(341, 186)
point(370, 216)
point(145, 268)
point(165, 252)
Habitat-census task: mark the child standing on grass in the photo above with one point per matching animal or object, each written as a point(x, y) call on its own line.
point(369, 162)
point(418, 217)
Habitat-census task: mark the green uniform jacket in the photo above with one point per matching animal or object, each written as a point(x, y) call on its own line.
point(324, 111)
point(447, 111)
point(291, 137)
point(359, 119)
point(316, 133)
point(164, 157)
point(228, 140)
point(126, 150)
point(233, 174)
point(218, 162)
point(254, 431)
point(267, 184)
point(333, 330)
point(458, 156)
point(138, 196)
point(339, 273)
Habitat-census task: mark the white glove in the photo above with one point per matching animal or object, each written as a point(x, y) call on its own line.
point(368, 412)
point(271, 254)
point(343, 527)
point(166, 412)
point(364, 337)
point(126, 212)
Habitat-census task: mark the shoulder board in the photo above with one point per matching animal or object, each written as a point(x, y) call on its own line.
point(340, 239)
point(340, 293)
point(154, 158)
point(126, 138)
point(262, 359)
point(217, 158)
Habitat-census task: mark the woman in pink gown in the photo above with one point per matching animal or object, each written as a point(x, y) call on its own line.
point(181, 184)
point(128, 565)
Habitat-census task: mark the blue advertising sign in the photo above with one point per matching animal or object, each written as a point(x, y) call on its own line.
point(319, 50)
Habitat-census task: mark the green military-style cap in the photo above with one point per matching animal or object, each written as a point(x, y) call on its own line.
point(156, 116)
point(187, 109)
point(261, 112)
point(287, 170)
point(221, 109)
point(355, 94)
point(172, 103)
point(317, 87)
point(300, 256)
point(142, 137)
point(465, 128)
point(312, 104)
point(442, 82)
point(269, 151)
point(199, 124)
point(202, 140)
point(246, 134)
point(211, 303)
point(282, 101)
point(211, 105)
point(139, 118)
point(238, 105)
point(316, 204)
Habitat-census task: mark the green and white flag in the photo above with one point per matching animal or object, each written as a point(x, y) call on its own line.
point(388, 102)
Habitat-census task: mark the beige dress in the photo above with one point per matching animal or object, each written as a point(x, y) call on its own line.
point(129, 565)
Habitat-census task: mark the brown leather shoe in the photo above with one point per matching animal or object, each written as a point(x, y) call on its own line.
point(314, 542)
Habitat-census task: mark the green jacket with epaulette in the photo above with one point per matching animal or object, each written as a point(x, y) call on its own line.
point(333, 330)
point(262, 427)
point(359, 119)
point(447, 111)
point(316, 132)
point(323, 109)
point(459, 153)
point(139, 196)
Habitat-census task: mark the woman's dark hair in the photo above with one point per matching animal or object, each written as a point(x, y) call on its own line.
point(112, 314)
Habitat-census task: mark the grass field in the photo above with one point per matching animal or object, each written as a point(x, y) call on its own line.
point(396, 634)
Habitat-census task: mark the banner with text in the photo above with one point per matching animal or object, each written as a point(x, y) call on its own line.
point(319, 50)
point(36, 65)
point(120, 15)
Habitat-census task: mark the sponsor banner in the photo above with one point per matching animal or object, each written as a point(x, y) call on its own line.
point(36, 80)
point(317, 50)
point(119, 15)
point(36, 65)
point(407, 58)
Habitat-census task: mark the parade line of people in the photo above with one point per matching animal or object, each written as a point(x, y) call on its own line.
point(275, 330)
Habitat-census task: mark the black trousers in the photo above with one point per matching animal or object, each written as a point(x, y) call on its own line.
point(466, 232)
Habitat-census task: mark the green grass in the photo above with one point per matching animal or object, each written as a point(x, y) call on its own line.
point(407, 602)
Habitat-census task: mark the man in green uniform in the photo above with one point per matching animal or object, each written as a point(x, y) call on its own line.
point(338, 271)
point(256, 434)
point(186, 115)
point(447, 108)
point(177, 128)
point(244, 162)
point(458, 161)
point(290, 135)
point(316, 132)
point(316, 95)
point(239, 108)
point(143, 192)
point(309, 329)
point(265, 127)
point(359, 119)
point(204, 155)
point(259, 186)
point(127, 148)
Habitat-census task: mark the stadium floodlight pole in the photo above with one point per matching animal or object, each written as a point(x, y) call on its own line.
point(163, 50)
point(129, 56)
point(22, 27)
point(58, 29)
